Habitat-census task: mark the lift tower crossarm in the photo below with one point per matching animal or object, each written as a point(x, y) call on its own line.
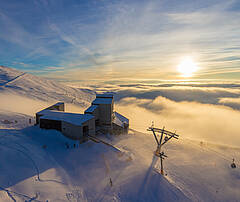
point(168, 135)
point(163, 131)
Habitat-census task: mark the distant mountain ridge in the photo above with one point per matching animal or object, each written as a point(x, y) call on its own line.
point(28, 85)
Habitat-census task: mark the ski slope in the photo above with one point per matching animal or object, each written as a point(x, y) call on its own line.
point(15, 82)
point(36, 165)
point(199, 169)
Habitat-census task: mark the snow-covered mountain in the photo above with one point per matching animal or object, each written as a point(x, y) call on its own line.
point(35, 164)
point(13, 81)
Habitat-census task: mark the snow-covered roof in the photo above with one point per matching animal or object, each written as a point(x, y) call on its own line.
point(45, 111)
point(105, 95)
point(57, 104)
point(91, 109)
point(120, 119)
point(76, 119)
point(102, 101)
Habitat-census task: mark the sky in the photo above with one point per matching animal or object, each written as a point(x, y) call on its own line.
point(71, 41)
point(174, 63)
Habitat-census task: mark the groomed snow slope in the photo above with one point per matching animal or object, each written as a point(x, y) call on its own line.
point(33, 173)
point(35, 164)
point(195, 171)
point(13, 81)
point(200, 170)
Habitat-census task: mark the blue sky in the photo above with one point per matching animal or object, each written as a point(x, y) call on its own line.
point(78, 40)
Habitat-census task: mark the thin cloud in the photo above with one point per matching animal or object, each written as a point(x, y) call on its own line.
point(144, 39)
point(139, 37)
point(17, 34)
point(54, 68)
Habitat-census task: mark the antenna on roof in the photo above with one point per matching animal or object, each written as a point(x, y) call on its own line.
point(166, 135)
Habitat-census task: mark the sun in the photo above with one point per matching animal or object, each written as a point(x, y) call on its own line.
point(187, 67)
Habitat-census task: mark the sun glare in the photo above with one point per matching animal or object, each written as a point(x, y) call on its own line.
point(187, 67)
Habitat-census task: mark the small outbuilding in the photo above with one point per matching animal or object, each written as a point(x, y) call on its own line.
point(120, 124)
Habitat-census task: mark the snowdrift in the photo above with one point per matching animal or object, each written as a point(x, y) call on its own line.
point(20, 83)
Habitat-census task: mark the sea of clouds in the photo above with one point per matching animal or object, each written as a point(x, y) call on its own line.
point(203, 111)
point(206, 111)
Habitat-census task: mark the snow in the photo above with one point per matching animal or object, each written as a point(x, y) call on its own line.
point(195, 171)
point(17, 120)
point(73, 118)
point(105, 95)
point(15, 82)
point(8, 74)
point(102, 101)
point(37, 166)
point(120, 119)
point(82, 173)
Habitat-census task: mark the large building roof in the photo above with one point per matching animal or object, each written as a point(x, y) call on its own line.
point(42, 112)
point(102, 101)
point(105, 95)
point(75, 119)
